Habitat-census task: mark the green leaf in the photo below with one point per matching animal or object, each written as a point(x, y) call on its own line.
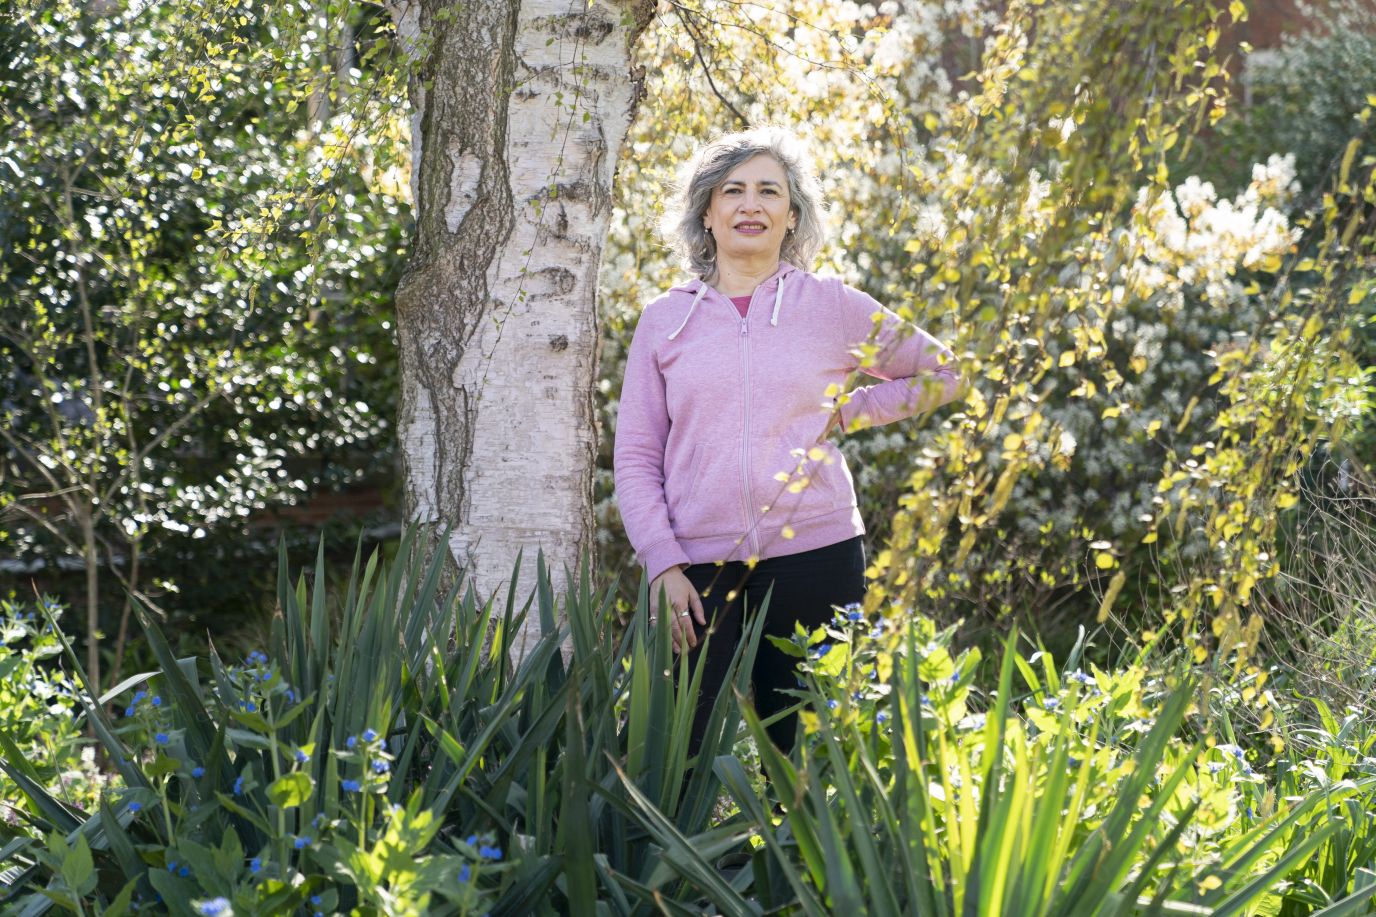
point(290, 790)
point(78, 870)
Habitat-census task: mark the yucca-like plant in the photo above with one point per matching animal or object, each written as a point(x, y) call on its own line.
point(382, 753)
point(901, 802)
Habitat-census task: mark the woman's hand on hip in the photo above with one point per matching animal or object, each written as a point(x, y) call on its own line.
point(684, 603)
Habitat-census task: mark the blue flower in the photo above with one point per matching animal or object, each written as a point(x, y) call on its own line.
point(239, 785)
point(471, 840)
point(213, 907)
point(162, 738)
point(381, 767)
point(302, 842)
point(139, 695)
point(352, 786)
point(465, 873)
point(156, 701)
point(291, 696)
point(171, 865)
point(315, 900)
point(351, 741)
point(255, 865)
point(1051, 703)
point(302, 757)
point(820, 650)
point(832, 704)
point(130, 710)
point(490, 853)
point(881, 717)
point(369, 735)
point(184, 871)
point(265, 676)
point(198, 772)
point(135, 807)
point(1081, 677)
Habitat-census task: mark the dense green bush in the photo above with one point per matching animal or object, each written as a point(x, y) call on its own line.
point(38, 706)
point(196, 247)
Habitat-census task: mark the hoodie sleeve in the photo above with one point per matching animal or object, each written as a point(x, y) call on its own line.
point(919, 372)
point(642, 431)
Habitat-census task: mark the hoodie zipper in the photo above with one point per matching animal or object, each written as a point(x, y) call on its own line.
point(751, 533)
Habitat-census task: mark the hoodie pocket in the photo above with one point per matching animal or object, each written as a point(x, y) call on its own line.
point(798, 486)
point(711, 504)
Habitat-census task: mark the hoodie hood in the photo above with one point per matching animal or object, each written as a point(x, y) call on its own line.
point(699, 288)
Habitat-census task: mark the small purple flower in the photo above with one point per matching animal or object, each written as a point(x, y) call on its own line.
point(881, 717)
point(1051, 703)
point(302, 757)
point(369, 735)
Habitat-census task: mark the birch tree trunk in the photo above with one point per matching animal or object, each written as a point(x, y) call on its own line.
point(520, 108)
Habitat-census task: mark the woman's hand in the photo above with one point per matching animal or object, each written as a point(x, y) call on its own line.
point(684, 602)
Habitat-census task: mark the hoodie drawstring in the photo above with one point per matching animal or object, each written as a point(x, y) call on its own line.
point(696, 299)
point(702, 291)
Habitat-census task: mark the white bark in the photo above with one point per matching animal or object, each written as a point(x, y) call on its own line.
point(496, 313)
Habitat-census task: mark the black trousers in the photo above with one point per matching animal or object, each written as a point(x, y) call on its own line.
point(806, 586)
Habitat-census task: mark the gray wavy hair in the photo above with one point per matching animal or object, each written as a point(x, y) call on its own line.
point(708, 169)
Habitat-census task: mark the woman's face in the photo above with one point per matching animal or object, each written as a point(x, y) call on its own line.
point(750, 211)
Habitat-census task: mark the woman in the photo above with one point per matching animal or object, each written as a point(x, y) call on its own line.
point(723, 467)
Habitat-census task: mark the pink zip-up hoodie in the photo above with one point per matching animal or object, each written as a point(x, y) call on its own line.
point(716, 454)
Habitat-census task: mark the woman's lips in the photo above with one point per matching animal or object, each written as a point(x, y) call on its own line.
point(750, 229)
